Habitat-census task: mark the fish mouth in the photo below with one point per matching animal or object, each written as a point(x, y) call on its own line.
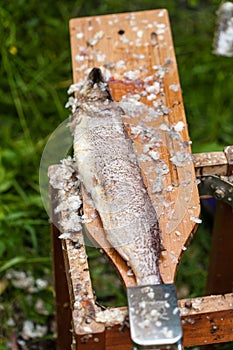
point(96, 88)
point(96, 76)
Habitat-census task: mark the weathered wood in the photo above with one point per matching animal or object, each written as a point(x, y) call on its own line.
point(210, 163)
point(220, 271)
point(72, 278)
point(214, 163)
point(228, 151)
point(126, 43)
point(141, 44)
point(207, 320)
point(62, 298)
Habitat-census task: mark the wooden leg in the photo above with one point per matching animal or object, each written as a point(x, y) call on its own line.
point(220, 273)
point(62, 299)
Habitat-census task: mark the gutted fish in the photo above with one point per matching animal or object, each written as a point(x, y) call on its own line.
point(108, 167)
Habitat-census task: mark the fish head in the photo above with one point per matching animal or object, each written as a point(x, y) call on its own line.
point(95, 87)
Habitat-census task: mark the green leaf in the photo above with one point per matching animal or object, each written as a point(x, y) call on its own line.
point(12, 262)
point(5, 186)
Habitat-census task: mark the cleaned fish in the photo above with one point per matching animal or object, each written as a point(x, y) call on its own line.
point(108, 167)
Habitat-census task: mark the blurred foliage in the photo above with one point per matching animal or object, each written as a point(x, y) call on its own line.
point(35, 74)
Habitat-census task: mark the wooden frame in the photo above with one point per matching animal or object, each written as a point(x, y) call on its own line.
point(205, 320)
point(121, 43)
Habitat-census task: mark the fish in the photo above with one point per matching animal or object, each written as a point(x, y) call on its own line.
point(107, 166)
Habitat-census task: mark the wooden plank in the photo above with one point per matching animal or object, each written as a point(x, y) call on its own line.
point(118, 338)
point(73, 283)
point(229, 155)
point(130, 43)
point(207, 320)
point(62, 298)
point(136, 52)
point(220, 271)
point(210, 163)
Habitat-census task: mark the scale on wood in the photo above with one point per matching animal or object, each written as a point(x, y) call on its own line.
point(136, 54)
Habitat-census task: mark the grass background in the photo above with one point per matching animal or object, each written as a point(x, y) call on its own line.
point(35, 74)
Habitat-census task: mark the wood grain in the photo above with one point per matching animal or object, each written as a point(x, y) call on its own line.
point(201, 323)
point(141, 43)
point(122, 43)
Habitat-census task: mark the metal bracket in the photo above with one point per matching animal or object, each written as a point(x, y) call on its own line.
point(218, 187)
point(154, 317)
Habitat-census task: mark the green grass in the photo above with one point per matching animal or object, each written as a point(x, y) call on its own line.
point(35, 74)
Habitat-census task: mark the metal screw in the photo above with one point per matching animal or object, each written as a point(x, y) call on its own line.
point(219, 193)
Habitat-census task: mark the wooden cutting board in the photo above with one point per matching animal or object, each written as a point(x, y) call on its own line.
point(136, 53)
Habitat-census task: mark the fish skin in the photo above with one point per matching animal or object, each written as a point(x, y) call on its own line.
point(108, 167)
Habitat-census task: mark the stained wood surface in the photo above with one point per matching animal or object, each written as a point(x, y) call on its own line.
point(205, 320)
point(211, 163)
point(62, 290)
point(220, 271)
point(123, 43)
point(133, 48)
